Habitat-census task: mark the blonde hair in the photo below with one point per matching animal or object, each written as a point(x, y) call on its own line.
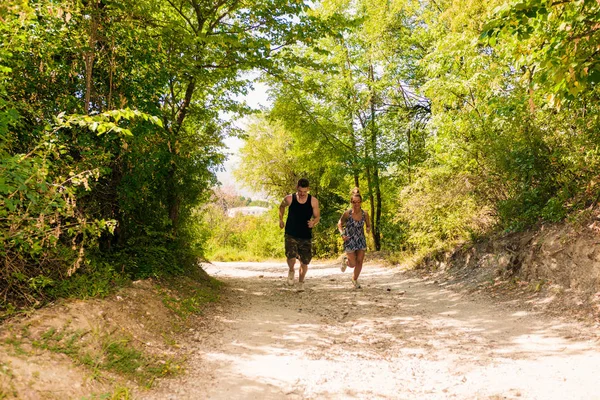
point(355, 193)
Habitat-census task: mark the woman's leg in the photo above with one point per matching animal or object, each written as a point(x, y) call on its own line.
point(359, 256)
point(351, 259)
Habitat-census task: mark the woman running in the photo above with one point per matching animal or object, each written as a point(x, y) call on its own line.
point(351, 226)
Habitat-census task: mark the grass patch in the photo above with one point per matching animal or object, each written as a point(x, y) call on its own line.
point(5, 370)
point(114, 354)
point(120, 393)
point(95, 280)
point(16, 345)
point(60, 341)
point(191, 294)
point(121, 357)
point(7, 389)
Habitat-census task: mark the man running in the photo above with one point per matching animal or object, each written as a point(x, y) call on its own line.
point(302, 217)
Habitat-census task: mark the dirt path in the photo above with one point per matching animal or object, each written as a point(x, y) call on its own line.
point(396, 338)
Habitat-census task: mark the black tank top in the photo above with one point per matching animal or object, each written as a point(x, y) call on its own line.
point(297, 219)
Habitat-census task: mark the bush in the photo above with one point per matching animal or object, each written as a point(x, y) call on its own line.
point(440, 210)
point(46, 231)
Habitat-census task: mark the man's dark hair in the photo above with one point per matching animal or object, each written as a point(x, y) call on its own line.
point(303, 183)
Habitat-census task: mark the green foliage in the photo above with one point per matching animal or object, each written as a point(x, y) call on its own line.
point(525, 160)
point(111, 132)
point(558, 44)
point(111, 128)
point(94, 279)
point(147, 255)
point(440, 210)
point(269, 164)
point(43, 230)
point(243, 237)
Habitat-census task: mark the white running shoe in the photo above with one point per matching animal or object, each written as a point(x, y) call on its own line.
point(344, 263)
point(355, 284)
point(300, 287)
point(290, 279)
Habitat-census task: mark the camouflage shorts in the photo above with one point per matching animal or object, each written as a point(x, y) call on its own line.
point(298, 248)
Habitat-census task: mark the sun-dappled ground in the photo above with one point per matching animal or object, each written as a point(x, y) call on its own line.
point(399, 337)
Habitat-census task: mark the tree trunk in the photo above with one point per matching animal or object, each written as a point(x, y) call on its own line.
point(370, 188)
point(354, 155)
point(109, 101)
point(409, 156)
point(355, 167)
point(174, 199)
point(376, 196)
point(90, 56)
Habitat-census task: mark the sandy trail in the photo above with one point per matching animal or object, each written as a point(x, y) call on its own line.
point(396, 338)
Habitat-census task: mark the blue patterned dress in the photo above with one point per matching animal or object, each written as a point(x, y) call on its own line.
point(356, 232)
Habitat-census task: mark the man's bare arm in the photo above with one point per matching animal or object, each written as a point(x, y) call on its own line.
point(316, 213)
point(284, 204)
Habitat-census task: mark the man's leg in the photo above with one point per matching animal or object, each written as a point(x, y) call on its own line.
point(291, 262)
point(305, 255)
point(301, 275)
point(303, 271)
point(291, 271)
point(291, 251)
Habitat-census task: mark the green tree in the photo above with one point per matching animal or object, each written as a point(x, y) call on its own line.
point(557, 47)
point(353, 108)
point(177, 61)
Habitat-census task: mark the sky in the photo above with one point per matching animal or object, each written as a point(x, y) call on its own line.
point(255, 98)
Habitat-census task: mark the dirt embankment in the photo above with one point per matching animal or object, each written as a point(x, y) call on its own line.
point(102, 348)
point(556, 267)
